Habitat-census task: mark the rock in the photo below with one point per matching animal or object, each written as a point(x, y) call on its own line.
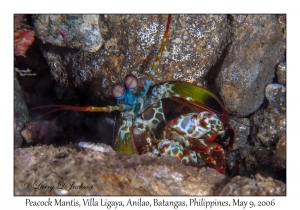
point(257, 46)
point(21, 115)
point(109, 173)
point(268, 155)
point(276, 95)
point(281, 73)
point(263, 158)
point(249, 160)
point(237, 162)
point(75, 31)
point(267, 127)
point(241, 132)
point(240, 148)
point(258, 186)
point(97, 147)
point(39, 131)
point(281, 151)
point(195, 44)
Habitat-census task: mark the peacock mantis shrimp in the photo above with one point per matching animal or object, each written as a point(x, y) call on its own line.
point(189, 137)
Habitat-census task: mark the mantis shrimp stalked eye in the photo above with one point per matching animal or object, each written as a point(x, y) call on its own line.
point(118, 91)
point(131, 81)
point(189, 137)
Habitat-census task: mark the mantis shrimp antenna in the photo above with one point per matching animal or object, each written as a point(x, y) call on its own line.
point(156, 63)
point(79, 108)
point(162, 47)
point(239, 122)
